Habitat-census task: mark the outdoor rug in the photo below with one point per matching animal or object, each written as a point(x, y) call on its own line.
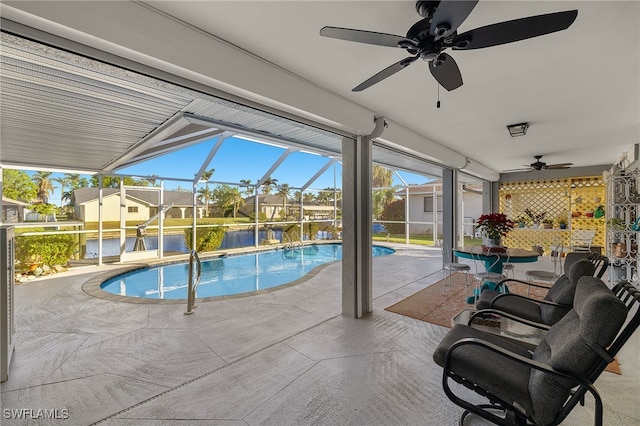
point(437, 307)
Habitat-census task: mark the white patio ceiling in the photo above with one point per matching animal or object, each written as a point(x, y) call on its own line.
point(578, 88)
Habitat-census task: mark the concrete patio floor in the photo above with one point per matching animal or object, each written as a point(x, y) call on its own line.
point(286, 357)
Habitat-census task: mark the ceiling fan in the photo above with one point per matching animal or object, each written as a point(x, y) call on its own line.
point(541, 165)
point(436, 32)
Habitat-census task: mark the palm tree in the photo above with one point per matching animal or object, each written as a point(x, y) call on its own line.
point(205, 193)
point(234, 199)
point(267, 184)
point(63, 181)
point(44, 185)
point(308, 197)
point(383, 179)
point(75, 182)
point(249, 190)
point(284, 192)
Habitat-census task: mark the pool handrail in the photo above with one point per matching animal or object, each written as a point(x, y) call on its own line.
point(291, 240)
point(194, 263)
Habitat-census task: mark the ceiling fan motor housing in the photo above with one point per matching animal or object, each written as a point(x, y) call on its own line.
point(426, 8)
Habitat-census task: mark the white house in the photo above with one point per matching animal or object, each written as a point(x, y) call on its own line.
point(426, 199)
point(13, 211)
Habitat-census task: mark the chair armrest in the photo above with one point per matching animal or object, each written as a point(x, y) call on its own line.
point(531, 299)
point(523, 282)
point(491, 312)
point(584, 383)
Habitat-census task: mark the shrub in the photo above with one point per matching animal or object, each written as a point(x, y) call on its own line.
point(394, 211)
point(262, 217)
point(207, 238)
point(47, 249)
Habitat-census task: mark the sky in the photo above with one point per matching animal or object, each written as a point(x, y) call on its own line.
point(239, 159)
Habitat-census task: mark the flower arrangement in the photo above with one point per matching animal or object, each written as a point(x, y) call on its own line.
point(494, 225)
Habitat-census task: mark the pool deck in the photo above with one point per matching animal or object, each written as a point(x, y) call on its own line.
point(285, 357)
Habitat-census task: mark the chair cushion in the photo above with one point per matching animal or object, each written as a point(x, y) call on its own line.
point(524, 308)
point(564, 290)
point(484, 301)
point(478, 365)
point(572, 258)
point(568, 346)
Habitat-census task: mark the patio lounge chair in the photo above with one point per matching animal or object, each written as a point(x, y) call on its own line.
point(541, 384)
point(546, 312)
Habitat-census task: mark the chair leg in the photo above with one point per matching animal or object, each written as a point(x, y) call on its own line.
point(447, 281)
point(466, 284)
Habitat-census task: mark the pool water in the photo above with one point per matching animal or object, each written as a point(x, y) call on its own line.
point(230, 275)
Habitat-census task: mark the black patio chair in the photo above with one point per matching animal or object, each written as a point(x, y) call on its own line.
point(600, 261)
point(543, 312)
point(541, 384)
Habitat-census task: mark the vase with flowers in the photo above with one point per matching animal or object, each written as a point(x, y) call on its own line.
point(493, 227)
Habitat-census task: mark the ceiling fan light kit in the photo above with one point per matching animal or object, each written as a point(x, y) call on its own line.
point(437, 31)
point(519, 129)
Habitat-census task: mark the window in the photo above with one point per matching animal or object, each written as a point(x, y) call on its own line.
point(132, 209)
point(428, 203)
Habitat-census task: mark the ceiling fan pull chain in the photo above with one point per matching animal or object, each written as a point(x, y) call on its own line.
point(438, 103)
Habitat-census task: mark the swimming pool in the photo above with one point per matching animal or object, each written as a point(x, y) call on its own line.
point(232, 275)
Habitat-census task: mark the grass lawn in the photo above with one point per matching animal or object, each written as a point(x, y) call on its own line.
point(426, 240)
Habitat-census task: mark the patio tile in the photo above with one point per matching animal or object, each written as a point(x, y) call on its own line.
point(371, 389)
point(38, 355)
point(230, 393)
point(245, 334)
point(87, 399)
point(163, 357)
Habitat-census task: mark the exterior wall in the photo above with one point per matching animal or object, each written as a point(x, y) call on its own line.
point(471, 203)
point(11, 214)
point(268, 210)
point(111, 210)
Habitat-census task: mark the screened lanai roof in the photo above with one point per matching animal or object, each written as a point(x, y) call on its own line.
point(62, 111)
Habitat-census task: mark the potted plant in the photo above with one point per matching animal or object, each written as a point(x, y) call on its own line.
point(521, 221)
point(562, 223)
point(493, 227)
point(616, 224)
point(547, 223)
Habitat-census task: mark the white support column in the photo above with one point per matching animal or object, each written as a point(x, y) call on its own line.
point(449, 209)
point(357, 282)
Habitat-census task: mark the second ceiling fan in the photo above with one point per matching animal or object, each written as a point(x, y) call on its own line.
point(431, 36)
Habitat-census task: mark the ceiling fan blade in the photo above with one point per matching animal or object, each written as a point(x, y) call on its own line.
point(559, 166)
point(516, 30)
point(387, 72)
point(362, 36)
point(446, 72)
point(449, 15)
